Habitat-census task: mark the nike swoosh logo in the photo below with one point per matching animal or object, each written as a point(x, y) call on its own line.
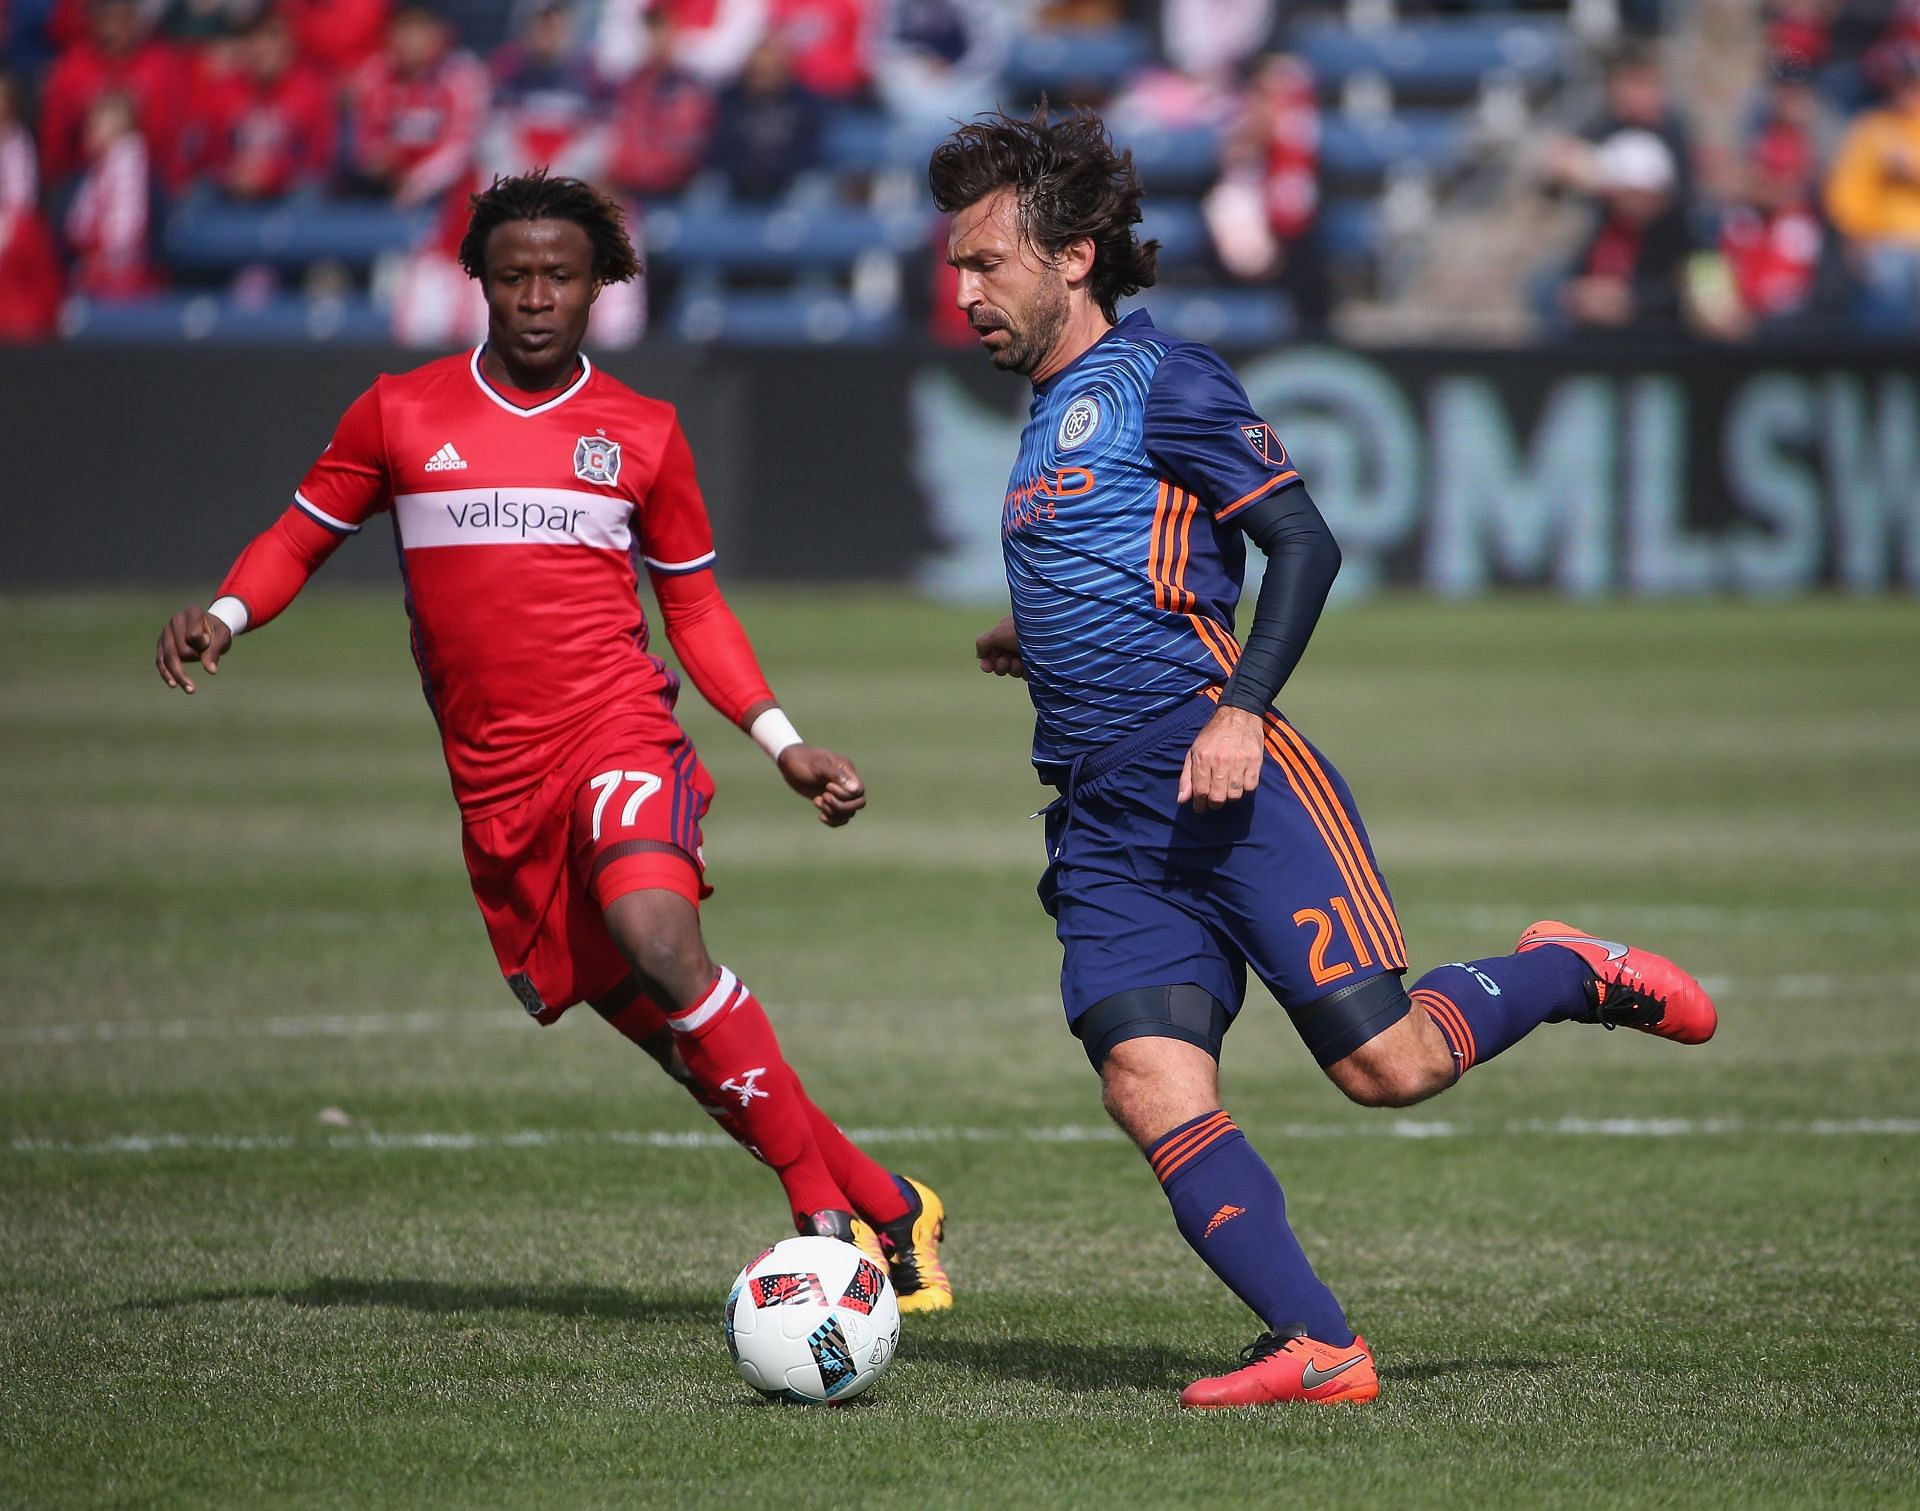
point(1615, 950)
point(1313, 1379)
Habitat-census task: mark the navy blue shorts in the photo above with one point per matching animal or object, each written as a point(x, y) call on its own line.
point(1148, 893)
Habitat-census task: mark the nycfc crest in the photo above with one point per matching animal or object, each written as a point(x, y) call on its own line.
point(1078, 424)
point(596, 459)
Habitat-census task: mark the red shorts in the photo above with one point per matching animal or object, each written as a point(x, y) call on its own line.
point(620, 815)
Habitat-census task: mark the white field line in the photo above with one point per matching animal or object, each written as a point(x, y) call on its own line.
point(376, 1025)
point(1706, 918)
point(1405, 1128)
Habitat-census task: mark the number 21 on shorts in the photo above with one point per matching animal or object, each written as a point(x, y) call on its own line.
point(645, 784)
point(1322, 926)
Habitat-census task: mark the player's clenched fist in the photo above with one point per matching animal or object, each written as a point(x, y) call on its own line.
point(999, 650)
point(826, 780)
point(1224, 763)
point(191, 635)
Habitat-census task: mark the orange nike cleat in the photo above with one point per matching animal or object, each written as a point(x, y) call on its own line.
point(1633, 988)
point(1294, 1368)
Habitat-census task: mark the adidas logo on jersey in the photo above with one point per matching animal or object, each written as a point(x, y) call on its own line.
point(446, 459)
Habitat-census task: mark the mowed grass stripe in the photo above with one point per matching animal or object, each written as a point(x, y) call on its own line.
point(534, 1138)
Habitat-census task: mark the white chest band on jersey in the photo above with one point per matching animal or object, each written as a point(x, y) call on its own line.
point(773, 732)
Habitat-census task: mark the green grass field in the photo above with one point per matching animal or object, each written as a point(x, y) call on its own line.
point(1604, 1269)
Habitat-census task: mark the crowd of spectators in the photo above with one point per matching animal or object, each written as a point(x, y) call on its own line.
point(1807, 225)
point(257, 100)
point(114, 113)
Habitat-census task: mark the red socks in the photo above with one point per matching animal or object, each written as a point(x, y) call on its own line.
point(875, 1193)
point(734, 1058)
point(748, 1055)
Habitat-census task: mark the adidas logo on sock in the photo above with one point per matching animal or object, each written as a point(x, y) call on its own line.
point(446, 459)
point(1225, 1215)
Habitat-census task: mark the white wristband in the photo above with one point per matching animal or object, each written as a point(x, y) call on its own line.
point(773, 732)
point(231, 612)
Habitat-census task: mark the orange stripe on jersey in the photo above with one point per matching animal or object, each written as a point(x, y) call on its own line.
point(1372, 896)
point(1153, 547)
point(1289, 476)
point(1183, 530)
point(1225, 649)
point(1315, 803)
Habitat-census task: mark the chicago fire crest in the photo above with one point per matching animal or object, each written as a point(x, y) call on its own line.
point(596, 459)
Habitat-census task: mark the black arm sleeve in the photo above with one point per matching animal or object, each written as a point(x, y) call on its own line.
point(1302, 560)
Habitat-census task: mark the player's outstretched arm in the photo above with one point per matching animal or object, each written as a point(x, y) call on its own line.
point(191, 635)
point(825, 779)
point(998, 650)
point(714, 649)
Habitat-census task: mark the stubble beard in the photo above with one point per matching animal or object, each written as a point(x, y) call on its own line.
point(1046, 314)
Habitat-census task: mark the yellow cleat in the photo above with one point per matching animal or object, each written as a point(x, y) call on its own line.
point(912, 1247)
point(867, 1241)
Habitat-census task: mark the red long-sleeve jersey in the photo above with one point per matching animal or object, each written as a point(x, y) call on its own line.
point(421, 128)
point(521, 527)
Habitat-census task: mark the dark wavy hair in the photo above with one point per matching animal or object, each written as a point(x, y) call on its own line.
point(1070, 181)
point(535, 196)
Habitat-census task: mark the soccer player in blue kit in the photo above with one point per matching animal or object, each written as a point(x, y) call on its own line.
point(1198, 833)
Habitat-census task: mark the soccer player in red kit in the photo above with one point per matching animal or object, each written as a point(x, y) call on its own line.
point(526, 488)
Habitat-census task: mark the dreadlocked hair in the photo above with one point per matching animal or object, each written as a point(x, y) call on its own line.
point(535, 196)
point(1070, 183)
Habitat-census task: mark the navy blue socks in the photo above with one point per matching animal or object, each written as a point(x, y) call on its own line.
point(1485, 1006)
point(1230, 1209)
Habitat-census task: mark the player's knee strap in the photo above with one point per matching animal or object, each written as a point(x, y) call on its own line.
point(1182, 1012)
point(1335, 1025)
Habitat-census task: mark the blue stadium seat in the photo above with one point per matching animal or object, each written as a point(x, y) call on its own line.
point(286, 319)
point(1368, 150)
point(1185, 158)
point(1179, 228)
point(208, 235)
point(753, 238)
point(779, 317)
point(1056, 61)
point(1437, 57)
point(1349, 228)
point(866, 141)
point(1230, 317)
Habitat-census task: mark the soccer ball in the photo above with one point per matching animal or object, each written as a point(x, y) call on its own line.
point(812, 1320)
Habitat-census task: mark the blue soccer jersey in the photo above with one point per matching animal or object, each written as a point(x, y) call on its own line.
point(1123, 559)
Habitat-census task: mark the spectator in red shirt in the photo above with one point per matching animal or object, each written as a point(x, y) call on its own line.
point(828, 43)
point(1773, 242)
point(118, 57)
point(19, 170)
point(662, 120)
point(1264, 213)
point(108, 222)
point(417, 110)
point(270, 128)
point(336, 36)
point(29, 262)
